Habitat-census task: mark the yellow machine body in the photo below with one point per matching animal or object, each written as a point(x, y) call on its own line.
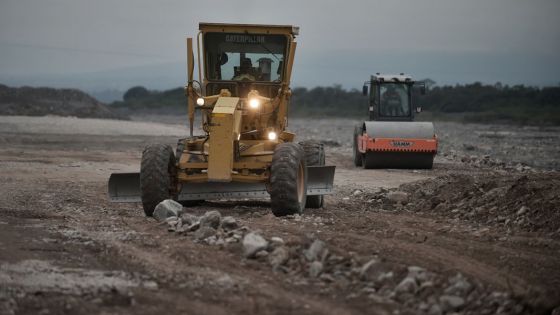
point(242, 104)
point(237, 147)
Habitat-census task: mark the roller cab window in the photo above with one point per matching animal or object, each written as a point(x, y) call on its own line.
point(244, 57)
point(394, 100)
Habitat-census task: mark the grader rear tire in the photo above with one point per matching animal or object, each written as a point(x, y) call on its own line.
point(288, 180)
point(356, 155)
point(158, 176)
point(314, 156)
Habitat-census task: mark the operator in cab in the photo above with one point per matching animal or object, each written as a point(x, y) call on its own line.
point(246, 72)
point(391, 102)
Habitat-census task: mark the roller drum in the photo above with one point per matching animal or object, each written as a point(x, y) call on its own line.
point(399, 130)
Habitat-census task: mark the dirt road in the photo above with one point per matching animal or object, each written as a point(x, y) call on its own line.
point(64, 249)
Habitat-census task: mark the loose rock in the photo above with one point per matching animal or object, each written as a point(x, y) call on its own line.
point(315, 269)
point(172, 223)
point(252, 243)
point(229, 223)
point(211, 219)
point(189, 219)
point(261, 254)
point(356, 192)
point(167, 208)
point(276, 241)
point(417, 273)
point(204, 232)
point(459, 285)
point(398, 196)
point(366, 267)
point(385, 276)
point(451, 302)
point(435, 310)
point(193, 227)
point(315, 251)
point(407, 285)
point(278, 256)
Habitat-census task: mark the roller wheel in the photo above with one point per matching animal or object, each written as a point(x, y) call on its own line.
point(158, 176)
point(356, 155)
point(314, 156)
point(398, 160)
point(288, 180)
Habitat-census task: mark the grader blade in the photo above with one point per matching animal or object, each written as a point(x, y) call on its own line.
point(125, 187)
point(221, 190)
point(320, 180)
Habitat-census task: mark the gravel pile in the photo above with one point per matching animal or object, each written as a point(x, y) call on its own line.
point(526, 201)
point(311, 262)
point(486, 162)
point(518, 201)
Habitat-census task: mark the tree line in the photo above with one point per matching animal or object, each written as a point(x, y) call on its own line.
point(476, 102)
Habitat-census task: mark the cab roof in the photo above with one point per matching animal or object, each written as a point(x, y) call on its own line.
point(391, 77)
point(249, 28)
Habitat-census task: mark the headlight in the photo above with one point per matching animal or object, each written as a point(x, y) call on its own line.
point(272, 135)
point(254, 103)
point(200, 101)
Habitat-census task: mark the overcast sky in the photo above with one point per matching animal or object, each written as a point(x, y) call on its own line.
point(341, 41)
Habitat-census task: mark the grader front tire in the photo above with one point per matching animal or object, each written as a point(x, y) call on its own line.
point(157, 176)
point(288, 180)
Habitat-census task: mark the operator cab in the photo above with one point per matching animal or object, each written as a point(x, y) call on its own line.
point(390, 97)
point(241, 62)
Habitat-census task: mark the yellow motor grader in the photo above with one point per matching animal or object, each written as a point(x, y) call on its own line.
point(242, 95)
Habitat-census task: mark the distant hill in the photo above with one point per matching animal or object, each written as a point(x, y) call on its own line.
point(139, 97)
point(30, 101)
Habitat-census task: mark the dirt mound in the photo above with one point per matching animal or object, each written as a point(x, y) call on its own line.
point(526, 201)
point(28, 101)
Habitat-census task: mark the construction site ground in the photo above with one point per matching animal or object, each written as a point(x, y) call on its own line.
point(478, 234)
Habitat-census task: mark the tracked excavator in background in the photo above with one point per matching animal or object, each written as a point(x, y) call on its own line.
point(391, 138)
point(242, 95)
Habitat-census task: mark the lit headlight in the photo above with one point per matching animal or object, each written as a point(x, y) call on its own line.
point(272, 135)
point(254, 103)
point(200, 101)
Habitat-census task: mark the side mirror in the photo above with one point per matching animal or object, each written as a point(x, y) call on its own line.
point(364, 90)
point(418, 110)
point(423, 90)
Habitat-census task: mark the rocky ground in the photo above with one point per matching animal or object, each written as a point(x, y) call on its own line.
point(478, 234)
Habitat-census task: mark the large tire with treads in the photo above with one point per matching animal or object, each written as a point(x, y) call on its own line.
point(288, 180)
point(314, 156)
point(158, 176)
point(356, 155)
